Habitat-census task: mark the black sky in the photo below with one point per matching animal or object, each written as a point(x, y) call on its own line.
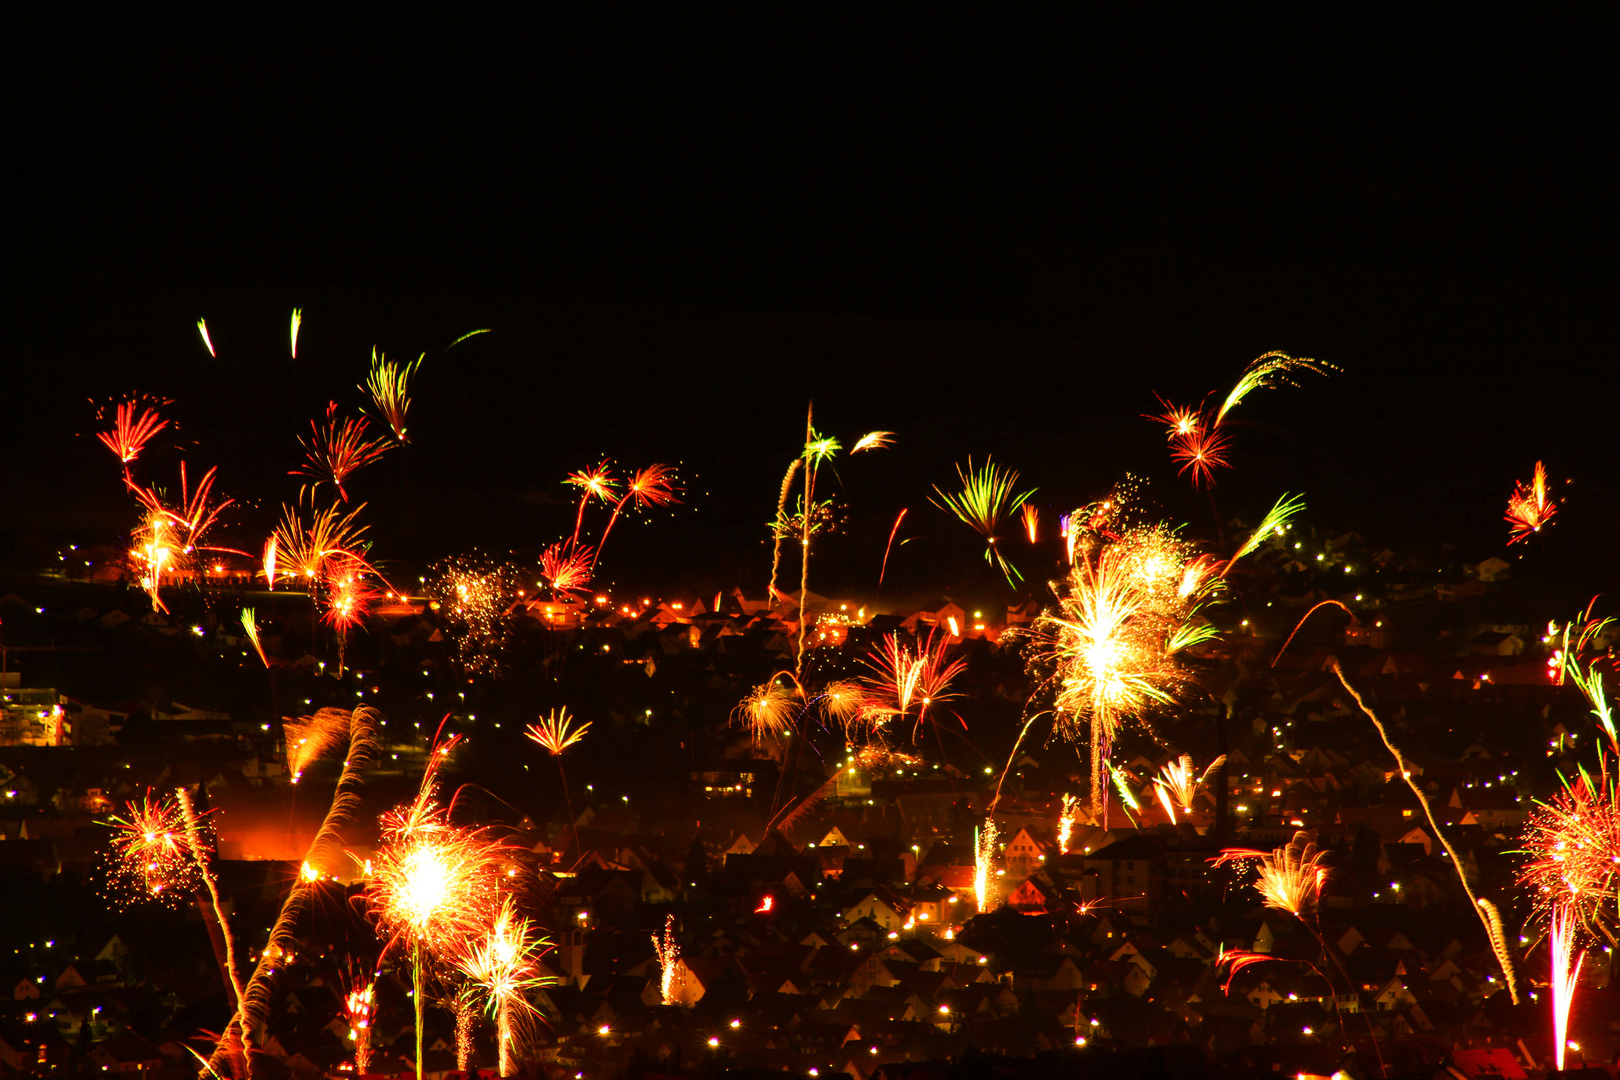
point(986, 236)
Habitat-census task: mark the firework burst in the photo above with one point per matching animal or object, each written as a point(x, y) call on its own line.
point(336, 451)
point(348, 602)
point(656, 485)
point(1201, 452)
point(1289, 879)
point(907, 681)
point(1573, 844)
point(131, 432)
point(152, 851)
point(475, 596)
point(769, 710)
point(309, 551)
point(501, 969)
point(1109, 650)
point(292, 330)
point(566, 571)
point(171, 535)
point(1530, 506)
point(988, 496)
point(360, 1010)
point(202, 328)
point(389, 385)
point(432, 881)
point(873, 440)
point(1180, 780)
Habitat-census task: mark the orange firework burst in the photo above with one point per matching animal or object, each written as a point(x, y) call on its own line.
point(594, 483)
point(984, 854)
point(130, 432)
point(1180, 780)
point(1031, 517)
point(906, 677)
point(556, 732)
point(330, 538)
point(171, 534)
point(1201, 452)
point(1109, 649)
point(566, 570)
point(769, 709)
point(1530, 506)
point(152, 851)
point(348, 602)
point(501, 968)
point(1066, 822)
point(251, 629)
point(1290, 878)
point(1178, 420)
point(337, 450)
point(432, 881)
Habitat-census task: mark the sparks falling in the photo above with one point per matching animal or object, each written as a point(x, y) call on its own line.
point(501, 967)
point(152, 852)
point(907, 681)
point(1566, 975)
point(1289, 879)
point(251, 629)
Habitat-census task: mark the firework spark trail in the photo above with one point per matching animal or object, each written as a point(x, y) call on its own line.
point(1031, 517)
point(1289, 879)
point(817, 449)
point(200, 853)
point(130, 433)
point(1267, 371)
point(903, 676)
point(1565, 979)
point(312, 737)
point(781, 513)
point(598, 483)
point(1486, 911)
point(1065, 828)
point(251, 628)
point(873, 440)
point(668, 948)
point(1530, 506)
point(1275, 523)
point(269, 563)
point(884, 569)
point(338, 450)
point(389, 385)
point(297, 321)
point(323, 853)
point(202, 328)
point(988, 497)
point(984, 853)
point(555, 732)
point(1235, 960)
point(500, 968)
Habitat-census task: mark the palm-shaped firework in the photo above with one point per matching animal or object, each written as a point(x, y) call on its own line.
point(989, 496)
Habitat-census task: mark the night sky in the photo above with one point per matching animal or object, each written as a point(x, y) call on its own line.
point(988, 238)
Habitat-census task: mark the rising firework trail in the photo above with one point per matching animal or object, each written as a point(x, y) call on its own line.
point(1566, 976)
point(297, 321)
point(202, 328)
point(667, 946)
